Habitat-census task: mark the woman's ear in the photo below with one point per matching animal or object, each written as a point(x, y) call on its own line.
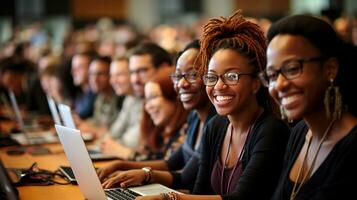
point(256, 85)
point(331, 68)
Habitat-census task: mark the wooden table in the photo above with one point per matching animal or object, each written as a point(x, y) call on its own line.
point(49, 162)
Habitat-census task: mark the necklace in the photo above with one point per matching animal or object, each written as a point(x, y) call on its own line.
point(256, 116)
point(296, 188)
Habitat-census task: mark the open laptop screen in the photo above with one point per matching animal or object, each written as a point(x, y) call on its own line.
point(66, 115)
point(54, 112)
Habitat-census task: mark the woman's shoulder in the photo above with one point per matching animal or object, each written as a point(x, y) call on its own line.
point(217, 122)
point(215, 126)
point(268, 121)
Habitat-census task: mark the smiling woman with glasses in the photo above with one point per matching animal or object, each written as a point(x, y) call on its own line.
point(310, 75)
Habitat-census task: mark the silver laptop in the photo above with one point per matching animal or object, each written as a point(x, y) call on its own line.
point(86, 176)
point(66, 115)
point(94, 152)
point(26, 137)
point(54, 111)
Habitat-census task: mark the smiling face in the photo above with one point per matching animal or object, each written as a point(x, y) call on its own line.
point(141, 69)
point(80, 67)
point(192, 95)
point(159, 108)
point(99, 76)
point(120, 77)
point(304, 94)
point(231, 99)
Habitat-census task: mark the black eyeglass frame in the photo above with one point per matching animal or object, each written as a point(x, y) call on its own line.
point(176, 77)
point(263, 76)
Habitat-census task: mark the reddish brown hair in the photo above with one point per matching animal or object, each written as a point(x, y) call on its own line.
point(154, 135)
point(238, 34)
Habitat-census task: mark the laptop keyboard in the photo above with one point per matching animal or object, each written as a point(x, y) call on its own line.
point(121, 194)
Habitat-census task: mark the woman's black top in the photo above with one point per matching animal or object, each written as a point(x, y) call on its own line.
point(261, 162)
point(334, 179)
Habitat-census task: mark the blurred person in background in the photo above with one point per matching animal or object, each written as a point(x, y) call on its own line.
point(124, 134)
point(52, 83)
point(107, 104)
point(85, 97)
point(144, 61)
point(19, 76)
point(180, 169)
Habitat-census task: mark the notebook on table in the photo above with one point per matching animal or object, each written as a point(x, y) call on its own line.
point(26, 137)
point(67, 118)
point(86, 175)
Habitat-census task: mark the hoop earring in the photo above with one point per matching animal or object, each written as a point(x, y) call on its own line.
point(333, 101)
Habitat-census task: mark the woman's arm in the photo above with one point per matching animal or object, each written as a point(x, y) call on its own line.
point(104, 172)
point(182, 197)
point(138, 177)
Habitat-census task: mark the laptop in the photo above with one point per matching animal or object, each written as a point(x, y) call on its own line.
point(26, 137)
point(7, 190)
point(94, 152)
point(86, 176)
point(54, 111)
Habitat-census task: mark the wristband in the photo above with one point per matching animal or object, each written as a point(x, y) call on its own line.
point(148, 174)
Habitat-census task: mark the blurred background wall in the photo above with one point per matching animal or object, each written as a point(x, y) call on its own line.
point(57, 17)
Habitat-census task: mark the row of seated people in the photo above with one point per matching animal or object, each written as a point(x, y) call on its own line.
point(245, 151)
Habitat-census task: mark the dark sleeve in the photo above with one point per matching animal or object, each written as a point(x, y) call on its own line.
point(263, 160)
point(176, 160)
point(202, 184)
point(187, 177)
point(84, 105)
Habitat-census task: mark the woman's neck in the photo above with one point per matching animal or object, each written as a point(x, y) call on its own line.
point(243, 119)
point(317, 123)
point(203, 111)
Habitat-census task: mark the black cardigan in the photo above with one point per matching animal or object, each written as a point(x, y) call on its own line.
point(334, 179)
point(261, 162)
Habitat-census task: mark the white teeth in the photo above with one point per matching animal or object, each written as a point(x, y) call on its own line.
point(223, 98)
point(186, 97)
point(289, 99)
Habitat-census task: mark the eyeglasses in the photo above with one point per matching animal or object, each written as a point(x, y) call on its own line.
point(290, 69)
point(228, 78)
point(190, 77)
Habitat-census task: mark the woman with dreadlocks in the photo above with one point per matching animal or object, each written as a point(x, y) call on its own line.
point(243, 146)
